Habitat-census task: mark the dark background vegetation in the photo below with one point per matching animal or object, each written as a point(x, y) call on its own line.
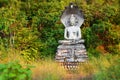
point(33, 26)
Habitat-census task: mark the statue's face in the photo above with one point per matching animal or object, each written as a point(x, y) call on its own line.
point(72, 21)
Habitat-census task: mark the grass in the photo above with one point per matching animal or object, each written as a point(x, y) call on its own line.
point(48, 70)
point(95, 69)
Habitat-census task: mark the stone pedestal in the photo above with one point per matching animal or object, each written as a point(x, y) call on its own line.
point(71, 51)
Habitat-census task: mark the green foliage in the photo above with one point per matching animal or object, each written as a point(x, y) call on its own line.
point(14, 71)
point(27, 41)
point(34, 27)
point(111, 73)
point(100, 26)
point(93, 52)
point(90, 37)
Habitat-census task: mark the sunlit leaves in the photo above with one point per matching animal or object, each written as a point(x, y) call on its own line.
point(34, 27)
point(14, 71)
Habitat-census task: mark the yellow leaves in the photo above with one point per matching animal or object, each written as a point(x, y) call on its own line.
point(101, 49)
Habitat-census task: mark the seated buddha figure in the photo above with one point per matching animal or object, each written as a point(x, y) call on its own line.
point(72, 31)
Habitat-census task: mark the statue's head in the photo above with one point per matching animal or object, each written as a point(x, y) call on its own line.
point(72, 16)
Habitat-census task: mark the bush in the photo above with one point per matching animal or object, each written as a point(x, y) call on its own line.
point(14, 71)
point(110, 73)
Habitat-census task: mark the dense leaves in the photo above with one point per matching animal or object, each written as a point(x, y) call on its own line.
point(33, 26)
point(111, 73)
point(10, 71)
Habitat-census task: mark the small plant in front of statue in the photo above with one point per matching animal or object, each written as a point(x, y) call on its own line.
point(14, 71)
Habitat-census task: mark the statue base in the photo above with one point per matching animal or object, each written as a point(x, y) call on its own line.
point(71, 51)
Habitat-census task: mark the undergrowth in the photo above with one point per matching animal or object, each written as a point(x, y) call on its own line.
point(104, 67)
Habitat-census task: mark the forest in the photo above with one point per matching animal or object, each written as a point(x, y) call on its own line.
point(30, 31)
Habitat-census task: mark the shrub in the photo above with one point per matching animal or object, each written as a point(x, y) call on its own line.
point(110, 73)
point(14, 71)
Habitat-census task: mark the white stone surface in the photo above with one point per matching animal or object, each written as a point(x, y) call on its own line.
point(72, 32)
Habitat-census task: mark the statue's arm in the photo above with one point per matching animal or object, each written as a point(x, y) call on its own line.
point(65, 34)
point(79, 33)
